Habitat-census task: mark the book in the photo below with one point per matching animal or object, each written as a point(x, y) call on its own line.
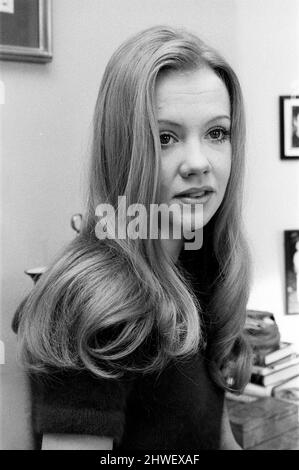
point(293, 382)
point(263, 359)
point(288, 391)
point(276, 376)
point(271, 390)
point(242, 397)
point(259, 421)
point(277, 365)
point(258, 390)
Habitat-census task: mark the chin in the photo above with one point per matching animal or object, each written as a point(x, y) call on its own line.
point(189, 226)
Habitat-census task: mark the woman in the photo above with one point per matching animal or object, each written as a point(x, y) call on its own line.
point(131, 342)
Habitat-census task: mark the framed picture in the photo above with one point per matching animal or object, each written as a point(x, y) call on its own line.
point(25, 30)
point(289, 127)
point(291, 243)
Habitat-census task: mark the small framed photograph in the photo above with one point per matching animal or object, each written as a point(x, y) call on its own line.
point(291, 244)
point(25, 30)
point(289, 127)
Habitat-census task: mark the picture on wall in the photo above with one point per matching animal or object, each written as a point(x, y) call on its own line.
point(25, 30)
point(289, 127)
point(291, 243)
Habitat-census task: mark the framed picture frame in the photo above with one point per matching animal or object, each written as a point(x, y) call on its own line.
point(291, 245)
point(26, 30)
point(289, 127)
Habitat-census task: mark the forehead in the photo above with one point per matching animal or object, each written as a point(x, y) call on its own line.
point(195, 92)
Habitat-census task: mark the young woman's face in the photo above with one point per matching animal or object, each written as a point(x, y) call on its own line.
point(193, 111)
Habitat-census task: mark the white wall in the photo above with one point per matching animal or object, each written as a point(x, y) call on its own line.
point(267, 61)
point(45, 129)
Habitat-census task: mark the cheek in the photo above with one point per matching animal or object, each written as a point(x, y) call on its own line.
point(167, 178)
point(224, 171)
point(163, 181)
point(164, 190)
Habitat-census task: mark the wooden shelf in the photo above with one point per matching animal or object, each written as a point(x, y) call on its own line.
point(267, 423)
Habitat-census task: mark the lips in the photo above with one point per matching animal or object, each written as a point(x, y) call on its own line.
point(193, 196)
point(195, 193)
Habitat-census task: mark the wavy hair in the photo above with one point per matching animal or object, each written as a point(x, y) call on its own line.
point(118, 305)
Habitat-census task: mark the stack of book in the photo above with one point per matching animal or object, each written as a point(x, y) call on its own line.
point(278, 377)
point(266, 414)
point(275, 362)
point(271, 370)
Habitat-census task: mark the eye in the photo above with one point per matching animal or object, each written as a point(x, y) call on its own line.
point(166, 139)
point(219, 134)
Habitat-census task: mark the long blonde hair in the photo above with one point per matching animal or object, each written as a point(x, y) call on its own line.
point(116, 305)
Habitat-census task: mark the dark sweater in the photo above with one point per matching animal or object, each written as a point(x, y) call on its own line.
point(178, 409)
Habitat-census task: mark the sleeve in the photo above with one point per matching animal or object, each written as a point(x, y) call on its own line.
point(78, 403)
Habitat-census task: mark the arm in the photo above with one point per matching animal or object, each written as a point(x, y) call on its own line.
point(76, 442)
point(227, 441)
point(75, 410)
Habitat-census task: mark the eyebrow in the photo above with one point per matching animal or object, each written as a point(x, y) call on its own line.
point(179, 124)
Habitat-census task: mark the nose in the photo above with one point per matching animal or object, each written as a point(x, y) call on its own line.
point(194, 161)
